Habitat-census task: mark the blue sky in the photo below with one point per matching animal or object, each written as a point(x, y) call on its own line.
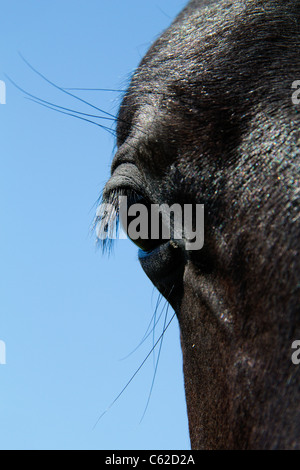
point(68, 315)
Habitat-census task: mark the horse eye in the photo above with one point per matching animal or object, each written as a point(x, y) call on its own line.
point(135, 218)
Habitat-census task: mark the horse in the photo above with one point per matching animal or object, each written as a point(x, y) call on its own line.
point(209, 119)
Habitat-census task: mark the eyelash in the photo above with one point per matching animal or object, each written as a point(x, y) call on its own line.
point(107, 219)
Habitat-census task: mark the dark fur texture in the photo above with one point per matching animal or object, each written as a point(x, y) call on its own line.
point(208, 118)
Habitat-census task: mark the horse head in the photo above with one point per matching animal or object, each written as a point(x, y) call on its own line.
point(208, 119)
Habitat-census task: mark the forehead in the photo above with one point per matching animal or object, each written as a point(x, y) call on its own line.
point(177, 57)
point(203, 55)
point(199, 89)
point(169, 81)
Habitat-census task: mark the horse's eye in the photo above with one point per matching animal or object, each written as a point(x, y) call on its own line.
point(135, 217)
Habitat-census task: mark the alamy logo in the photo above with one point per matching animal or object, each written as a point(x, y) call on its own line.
point(2, 353)
point(2, 92)
point(296, 94)
point(152, 222)
point(296, 355)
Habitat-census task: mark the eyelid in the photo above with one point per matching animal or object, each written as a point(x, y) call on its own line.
point(125, 176)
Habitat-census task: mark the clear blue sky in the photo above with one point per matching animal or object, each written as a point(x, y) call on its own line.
point(68, 315)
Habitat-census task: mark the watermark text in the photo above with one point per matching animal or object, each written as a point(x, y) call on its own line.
point(153, 222)
point(296, 94)
point(296, 354)
point(2, 92)
point(2, 353)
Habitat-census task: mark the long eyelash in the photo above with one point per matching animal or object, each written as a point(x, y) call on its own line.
point(137, 371)
point(155, 322)
point(157, 361)
point(106, 114)
point(41, 101)
point(63, 110)
point(77, 114)
point(54, 108)
point(95, 89)
point(64, 90)
point(106, 222)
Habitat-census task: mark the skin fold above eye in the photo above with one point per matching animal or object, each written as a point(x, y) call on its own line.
point(126, 175)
